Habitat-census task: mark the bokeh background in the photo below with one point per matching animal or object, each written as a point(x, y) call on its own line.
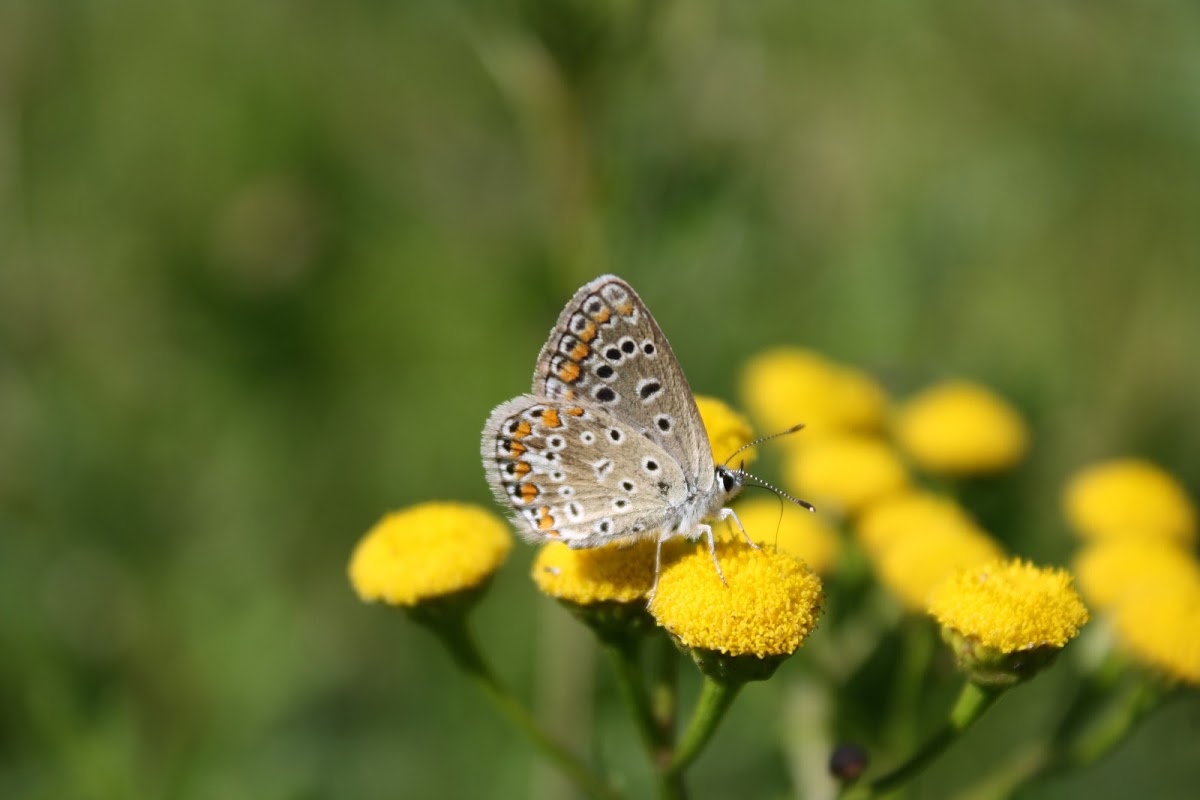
point(265, 268)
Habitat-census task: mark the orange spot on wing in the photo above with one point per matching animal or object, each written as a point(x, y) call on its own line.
point(588, 333)
point(546, 522)
point(602, 316)
point(574, 412)
point(521, 469)
point(528, 492)
point(550, 418)
point(626, 309)
point(579, 352)
point(516, 448)
point(523, 430)
point(553, 533)
point(569, 372)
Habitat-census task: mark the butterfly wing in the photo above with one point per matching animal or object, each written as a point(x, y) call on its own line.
point(607, 351)
point(578, 474)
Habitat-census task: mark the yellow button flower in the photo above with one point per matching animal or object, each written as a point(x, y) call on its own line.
point(909, 514)
point(961, 428)
point(845, 473)
point(805, 535)
point(768, 608)
point(1129, 497)
point(727, 429)
point(1010, 606)
point(1161, 627)
point(596, 575)
point(1111, 569)
point(428, 551)
point(913, 565)
point(786, 386)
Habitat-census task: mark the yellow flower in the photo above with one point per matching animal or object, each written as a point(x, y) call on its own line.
point(805, 535)
point(914, 564)
point(909, 514)
point(727, 429)
point(1010, 606)
point(1111, 569)
point(787, 385)
point(961, 428)
point(596, 575)
point(428, 551)
point(767, 609)
point(845, 473)
point(1129, 498)
point(1161, 627)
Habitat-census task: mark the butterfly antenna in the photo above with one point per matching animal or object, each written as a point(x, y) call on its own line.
point(764, 485)
point(761, 439)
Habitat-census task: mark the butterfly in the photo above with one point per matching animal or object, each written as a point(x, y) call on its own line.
point(609, 446)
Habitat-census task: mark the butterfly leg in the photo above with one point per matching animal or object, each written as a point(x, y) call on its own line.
point(657, 567)
point(728, 513)
point(707, 531)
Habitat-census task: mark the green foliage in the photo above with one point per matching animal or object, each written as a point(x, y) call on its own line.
point(265, 268)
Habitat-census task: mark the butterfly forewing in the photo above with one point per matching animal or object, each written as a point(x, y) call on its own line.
point(608, 352)
point(577, 473)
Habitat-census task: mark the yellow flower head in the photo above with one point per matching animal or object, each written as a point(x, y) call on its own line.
point(596, 575)
point(909, 514)
point(913, 565)
point(961, 428)
point(1010, 606)
point(1111, 569)
point(767, 609)
point(727, 429)
point(787, 385)
point(1129, 498)
point(805, 535)
point(1161, 627)
point(845, 473)
point(428, 551)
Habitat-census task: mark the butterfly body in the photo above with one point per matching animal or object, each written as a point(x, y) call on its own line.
point(609, 446)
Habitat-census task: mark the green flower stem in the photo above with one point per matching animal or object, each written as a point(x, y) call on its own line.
point(455, 634)
point(1096, 741)
point(664, 694)
point(715, 699)
point(972, 702)
point(918, 647)
point(633, 691)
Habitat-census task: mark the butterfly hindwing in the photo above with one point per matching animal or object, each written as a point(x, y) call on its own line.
point(606, 351)
point(579, 474)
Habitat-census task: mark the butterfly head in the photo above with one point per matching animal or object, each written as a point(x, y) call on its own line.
point(730, 481)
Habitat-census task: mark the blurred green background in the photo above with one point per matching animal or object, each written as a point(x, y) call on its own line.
point(265, 268)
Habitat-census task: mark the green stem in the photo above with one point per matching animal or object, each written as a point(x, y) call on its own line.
point(971, 704)
point(916, 654)
point(633, 691)
point(1098, 740)
point(715, 699)
point(461, 644)
point(664, 693)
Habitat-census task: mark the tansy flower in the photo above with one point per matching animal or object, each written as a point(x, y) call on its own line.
point(911, 566)
point(805, 535)
point(428, 551)
point(1111, 569)
point(909, 514)
point(845, 473)
point(1161, 627)
point(727, 429)
point(1129, 497)
point(596, 575)
point(768, 608)
point(1007, 619)
point(961, 428)
point(787, 385)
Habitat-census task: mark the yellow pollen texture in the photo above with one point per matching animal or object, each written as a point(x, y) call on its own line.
point(768, 608)
point(595, 575)
point(1010, 606)
point(427, 551)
